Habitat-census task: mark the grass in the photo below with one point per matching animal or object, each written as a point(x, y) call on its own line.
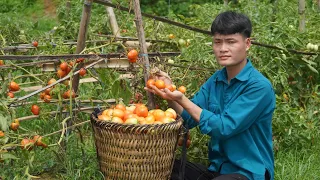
point(298, 164)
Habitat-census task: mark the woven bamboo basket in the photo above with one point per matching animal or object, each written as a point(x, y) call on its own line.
point(136, 151)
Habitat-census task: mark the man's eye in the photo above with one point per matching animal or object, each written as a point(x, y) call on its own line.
point(217, 42)
point(231, 42)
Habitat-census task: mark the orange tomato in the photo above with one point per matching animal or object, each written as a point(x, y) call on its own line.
point(14, 86)
point(47, 91)
point(137, 105)
point(104, 117)
point(150, 119)
point(170, 87)
point(133, 55)
point(171, 36)
point(166, 119)
point(150, 82)
point(64, 66)
point(35, 109)
point(35, 43)
point(182, 89)
point(158, 114)
point(79, 60)
point(82, 72)
point(121, 107)
point(51, 81)
point(61, 73)
point(118, 113)
point(14, 126)
point(1, 134)
point(10, 94)
point(47, 98)
point(142, 111)
point(1, 62)
point(108, 112)
point(160, 84)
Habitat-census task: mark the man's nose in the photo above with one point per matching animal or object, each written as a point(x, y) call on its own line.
point(223, 47)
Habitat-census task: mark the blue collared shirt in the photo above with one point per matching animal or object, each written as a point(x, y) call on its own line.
point(237, 116)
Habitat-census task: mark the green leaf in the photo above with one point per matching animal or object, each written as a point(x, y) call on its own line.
point(312, 69)
point(3, 123)
point(8, 156)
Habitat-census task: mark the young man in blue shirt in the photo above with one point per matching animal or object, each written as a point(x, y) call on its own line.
point(234, 107)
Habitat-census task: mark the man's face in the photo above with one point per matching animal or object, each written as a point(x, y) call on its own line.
point(230, 50)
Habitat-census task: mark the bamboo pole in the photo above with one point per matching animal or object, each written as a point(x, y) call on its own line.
point(113, 21)
point(225, 2)
point(143, 50)
point(85, 19)
point(302, 21)
point(75, 56)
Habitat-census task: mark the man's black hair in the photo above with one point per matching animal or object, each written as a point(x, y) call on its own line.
point(230, 22)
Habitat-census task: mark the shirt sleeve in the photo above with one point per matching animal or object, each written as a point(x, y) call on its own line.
point(240, 114)
point(200, 99)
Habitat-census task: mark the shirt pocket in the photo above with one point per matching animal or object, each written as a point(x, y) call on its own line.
point(214, 108)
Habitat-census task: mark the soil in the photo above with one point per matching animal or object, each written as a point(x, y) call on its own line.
point(50, 8)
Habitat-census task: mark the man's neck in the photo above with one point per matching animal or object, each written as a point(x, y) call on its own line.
point(233, 71)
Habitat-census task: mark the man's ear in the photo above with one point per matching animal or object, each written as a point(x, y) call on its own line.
point(248, 44)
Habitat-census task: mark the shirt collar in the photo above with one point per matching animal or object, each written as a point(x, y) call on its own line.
point(242, 76)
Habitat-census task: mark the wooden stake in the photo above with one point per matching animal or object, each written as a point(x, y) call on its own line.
point(226, 2)
point(143, 50)
point(113, 21)
point(81, 42)
point(302, 22)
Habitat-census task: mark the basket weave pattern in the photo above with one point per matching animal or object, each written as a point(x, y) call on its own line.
point(136, 151)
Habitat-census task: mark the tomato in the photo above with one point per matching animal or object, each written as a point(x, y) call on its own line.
point(117, 120)
point(121, 107)
point(182, 42)
point(133, 56)
point(171, 36)
point(61, 73)
point(131, 121)
point(82, 72)
point(142, 111)
point(38, 141)
point(35, 109)
point(14, 126)
point(158, 114)
point(1, 134)
point(173, 112)
point(79, 60)
point(47, 91)
point(182, 89)
point(14, 86)
point(118, 113)
point(160, 84)
point(64, 66)
point(170, 87)
point(47, 98)
point(51, 81)
point(69, 94)
point(10, 94)
point(150, 119)
point(150, 82)
point(133, 60)
point(1, 63)
point(42, 95)
point(26, 144)
point(35, 43)
point(104, 117)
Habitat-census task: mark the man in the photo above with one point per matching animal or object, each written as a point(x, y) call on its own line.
point(234, 107)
